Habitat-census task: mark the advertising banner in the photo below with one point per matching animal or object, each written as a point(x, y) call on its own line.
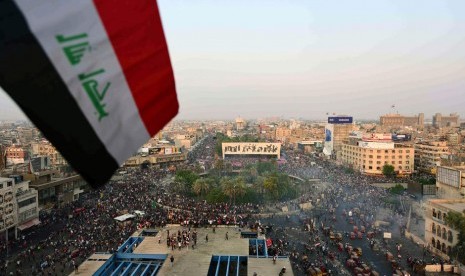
point(340, 120)
point(252, 149)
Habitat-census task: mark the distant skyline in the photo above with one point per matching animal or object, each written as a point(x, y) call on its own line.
point(307, 58)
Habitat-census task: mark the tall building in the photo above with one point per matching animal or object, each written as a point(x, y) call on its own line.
point(443, 121)
point(369, 156)
point(8, 216)
point(240, 123)
point(337, 131)
point(397, 120)
point(428, 155)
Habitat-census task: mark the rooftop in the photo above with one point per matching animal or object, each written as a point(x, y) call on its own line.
point(198, 261)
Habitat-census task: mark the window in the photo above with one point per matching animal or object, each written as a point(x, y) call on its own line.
point(370, 156)
point(393, 162)
point(9, 183)
point(385, 151)
point(408, 156)
point(378, 168)
point(407, 167)
point(400, 151)
point(393, 151)
point(407, 162)
point(407, 151)
point(26, 202)
point(1, 186)
point(400, 162)
point(370, 167)
point(378, 162)
point(378, 151)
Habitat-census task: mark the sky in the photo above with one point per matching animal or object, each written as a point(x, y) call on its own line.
point(303, 59)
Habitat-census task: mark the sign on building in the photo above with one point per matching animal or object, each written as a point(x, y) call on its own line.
point(340, 120)
point(251, 149)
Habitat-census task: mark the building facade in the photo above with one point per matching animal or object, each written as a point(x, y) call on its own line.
point(370, 157)
point(428, 155)
point(443, 121)
point(47, 149)
point(16, 155)
point(397, 120)
point(8, 206)
point(439, 236)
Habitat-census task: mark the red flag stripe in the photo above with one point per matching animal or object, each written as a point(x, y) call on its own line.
point(151, 82)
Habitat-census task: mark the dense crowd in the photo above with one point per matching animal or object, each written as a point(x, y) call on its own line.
point(70, 234)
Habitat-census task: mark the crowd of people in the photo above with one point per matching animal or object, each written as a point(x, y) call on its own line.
point(70, 234)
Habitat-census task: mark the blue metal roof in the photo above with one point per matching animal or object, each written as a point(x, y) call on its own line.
point(125, 262)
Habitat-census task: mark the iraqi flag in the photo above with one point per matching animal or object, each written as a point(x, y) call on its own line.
point(93, 75)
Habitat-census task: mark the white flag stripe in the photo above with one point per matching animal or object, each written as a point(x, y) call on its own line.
point(72, 19)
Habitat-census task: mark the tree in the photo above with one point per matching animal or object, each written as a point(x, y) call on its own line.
point(456, 220)
point(388, 170)
point(201, 186)
point(187, 179)
point(271, 186)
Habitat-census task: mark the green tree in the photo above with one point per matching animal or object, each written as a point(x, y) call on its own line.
point(201, 186)
point(270, 185)
point(388, 170)
point(456, 220)
point(186, 179)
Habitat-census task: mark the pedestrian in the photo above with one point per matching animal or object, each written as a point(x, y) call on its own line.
point(226, 236)
point(172, 260)
point(206, 238)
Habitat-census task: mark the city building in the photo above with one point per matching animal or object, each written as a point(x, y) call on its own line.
point(162, 160)
point(16, 155)
point(283, 134)
point(428, 155)
point(450, 182)
point(240, 123)
point(397, 120)
point(56, 190)
point(369, 155)
point(8, 205)
point(439, 236)
point(27, 202)
point(337, 131)
point(444, 121)
point(47, 149)
point(185, 141)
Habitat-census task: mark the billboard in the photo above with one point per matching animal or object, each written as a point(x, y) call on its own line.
point(401, 137)
point(252, 149)
point(386, 137)
point(449, 176)
point(340, 120)
point(329, 131)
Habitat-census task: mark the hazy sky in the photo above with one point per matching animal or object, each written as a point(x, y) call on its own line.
point(305, 58)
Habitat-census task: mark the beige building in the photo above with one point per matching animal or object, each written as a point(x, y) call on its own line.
point(443, 121)
point(428, 155)
point(156, 159)
point(47, 149)
point(450, 182)
point(283, 134)
point(440, 237)
point(397, 120)
point(8, 204)
point(240, 123)
point(370, 157)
